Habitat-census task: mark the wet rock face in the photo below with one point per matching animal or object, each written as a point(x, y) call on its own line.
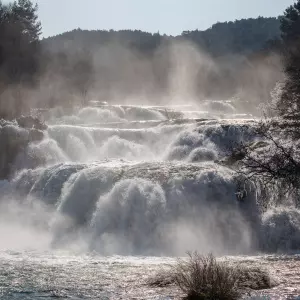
point(31, 122)
point(35, 135)
point(14, 137)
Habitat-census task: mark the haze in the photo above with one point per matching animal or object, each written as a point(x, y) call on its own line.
point(165, 16)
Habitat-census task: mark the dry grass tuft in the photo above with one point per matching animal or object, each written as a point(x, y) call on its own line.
point(203, 278)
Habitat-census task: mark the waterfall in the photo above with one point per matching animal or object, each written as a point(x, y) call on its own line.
point(132, 180)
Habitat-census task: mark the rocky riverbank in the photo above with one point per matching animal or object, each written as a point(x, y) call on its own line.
point(15, 136)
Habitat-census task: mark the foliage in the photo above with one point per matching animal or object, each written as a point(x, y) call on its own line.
point(289, 102)
point(19, 50)
point(132, 61)
point(80, 64)
point(274, 162)
point(239, 37)
point(19, 30)
point(202, 277)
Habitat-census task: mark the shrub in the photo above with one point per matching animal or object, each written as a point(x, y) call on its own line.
point(202, 277)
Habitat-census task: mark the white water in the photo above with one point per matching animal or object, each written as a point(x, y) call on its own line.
point(128, 180)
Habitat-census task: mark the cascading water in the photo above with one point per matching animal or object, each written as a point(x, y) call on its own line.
point(131, 180)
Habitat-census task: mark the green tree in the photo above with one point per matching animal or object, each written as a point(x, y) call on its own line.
point(19, 51)
point(275, 160)
point(290, 23)
point(289, 103)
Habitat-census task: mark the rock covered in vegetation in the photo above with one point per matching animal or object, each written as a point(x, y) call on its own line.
point(14, 137)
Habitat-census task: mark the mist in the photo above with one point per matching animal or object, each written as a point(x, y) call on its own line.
point(177, 72)
point(121, 151)
point(23, 226)
point(88, 176)
point(130, 132)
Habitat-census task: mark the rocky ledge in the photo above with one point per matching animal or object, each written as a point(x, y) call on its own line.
point(14, 138)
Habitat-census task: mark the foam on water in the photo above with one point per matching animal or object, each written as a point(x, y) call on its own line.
point(130, 180)
point(129, 212)
point(163, 201)
point(94, 115)
point(224, 107)
point(151, 187)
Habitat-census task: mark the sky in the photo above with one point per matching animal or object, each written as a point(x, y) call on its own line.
point(166, 16)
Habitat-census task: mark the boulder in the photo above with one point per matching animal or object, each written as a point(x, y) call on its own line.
point(31, 122)
point(15, 137)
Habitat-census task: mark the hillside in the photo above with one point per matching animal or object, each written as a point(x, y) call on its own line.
point(238, 37)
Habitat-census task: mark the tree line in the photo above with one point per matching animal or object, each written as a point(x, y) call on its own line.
point(75, 66)
point(19, 52)
point(274, 160)
point(240, 55)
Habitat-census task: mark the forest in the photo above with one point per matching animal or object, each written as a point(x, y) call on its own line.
point(239, 37)
point(241, 59)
